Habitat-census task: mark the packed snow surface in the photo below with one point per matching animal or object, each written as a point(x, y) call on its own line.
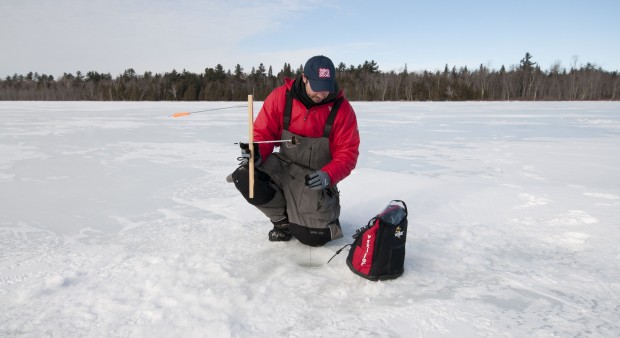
point(116, 220)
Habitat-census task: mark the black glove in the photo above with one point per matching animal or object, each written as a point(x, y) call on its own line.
point(317, 180)
point(245, 154)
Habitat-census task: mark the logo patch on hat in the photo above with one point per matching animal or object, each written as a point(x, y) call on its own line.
point(324, 73)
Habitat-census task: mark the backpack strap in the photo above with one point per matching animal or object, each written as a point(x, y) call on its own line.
point(338, 252)
point(332, 117)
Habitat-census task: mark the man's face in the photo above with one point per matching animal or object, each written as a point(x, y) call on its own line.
point(316, 97)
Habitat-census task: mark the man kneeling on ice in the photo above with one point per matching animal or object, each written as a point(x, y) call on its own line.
point(296, 187)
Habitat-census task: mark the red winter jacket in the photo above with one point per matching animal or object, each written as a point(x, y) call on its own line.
point(344, 139)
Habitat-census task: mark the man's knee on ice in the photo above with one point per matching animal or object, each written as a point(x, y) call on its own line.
point(263, 191)
point(310, 236)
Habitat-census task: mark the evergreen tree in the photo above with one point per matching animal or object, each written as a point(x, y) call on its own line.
point(239, 72)
point(523, 81)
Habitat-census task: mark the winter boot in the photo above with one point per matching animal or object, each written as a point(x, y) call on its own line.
point(280, 232)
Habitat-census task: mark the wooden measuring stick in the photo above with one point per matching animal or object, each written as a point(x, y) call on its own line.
point(251, 138)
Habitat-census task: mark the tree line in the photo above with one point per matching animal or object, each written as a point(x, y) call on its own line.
point(364, 82)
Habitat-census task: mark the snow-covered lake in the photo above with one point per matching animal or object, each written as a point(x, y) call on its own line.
point(116, 220)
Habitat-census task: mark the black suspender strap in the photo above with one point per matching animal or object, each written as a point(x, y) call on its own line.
point(332, 117)
point(288, 107)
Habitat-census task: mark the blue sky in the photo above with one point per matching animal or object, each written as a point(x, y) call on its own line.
point(109, 36)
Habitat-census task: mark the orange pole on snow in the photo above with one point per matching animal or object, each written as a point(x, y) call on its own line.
point(185, 113)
